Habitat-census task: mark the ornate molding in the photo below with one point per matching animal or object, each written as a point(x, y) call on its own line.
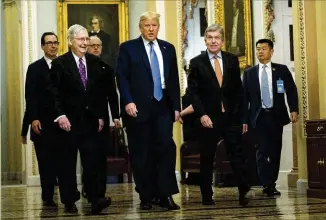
point(192, 5)
point(269, 17)
point(182, 39)
point(8, 3)
point(303, 64)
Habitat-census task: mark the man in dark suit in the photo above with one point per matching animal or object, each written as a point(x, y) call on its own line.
point(110, 89)
point(109, 48)
point(76, 85)
point(214, 85)
point(39, 113)
point(149, 87)
point(264, 87)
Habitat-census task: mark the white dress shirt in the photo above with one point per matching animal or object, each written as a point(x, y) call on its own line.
point(269, 75)
point(48, 61)
point(212, 59)
point(158, 52)
point(77, 61)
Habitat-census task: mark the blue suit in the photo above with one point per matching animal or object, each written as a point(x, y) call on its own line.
point(150, 133)
point(268, 124)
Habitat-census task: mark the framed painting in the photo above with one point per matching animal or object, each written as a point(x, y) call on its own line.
point(106, 19)
point(235, 17)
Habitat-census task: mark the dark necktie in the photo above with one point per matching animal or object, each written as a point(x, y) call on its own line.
point(82, 72)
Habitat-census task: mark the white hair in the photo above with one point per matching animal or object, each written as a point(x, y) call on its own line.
point(95, 37)
point(73, 30)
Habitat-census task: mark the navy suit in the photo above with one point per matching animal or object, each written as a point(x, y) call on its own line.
point(150, 133)
point(268, 124)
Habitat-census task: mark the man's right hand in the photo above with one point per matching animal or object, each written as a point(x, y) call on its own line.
point(64, 123)
point(36, 126)
point(206, 121)
point(131, 109)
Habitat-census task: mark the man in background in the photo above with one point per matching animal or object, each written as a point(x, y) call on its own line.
point(39, 113)
point(265, 86)
point(109, 51)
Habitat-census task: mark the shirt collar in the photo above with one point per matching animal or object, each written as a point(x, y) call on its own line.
point(146, 42)
point(47, 60)
point(269, 65)
point(77, 58)
point(211, 55)
point(96, 31)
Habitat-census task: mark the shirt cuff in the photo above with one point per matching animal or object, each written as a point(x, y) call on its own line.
point(57, 119)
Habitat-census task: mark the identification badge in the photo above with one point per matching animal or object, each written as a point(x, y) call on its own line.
point(280, 86)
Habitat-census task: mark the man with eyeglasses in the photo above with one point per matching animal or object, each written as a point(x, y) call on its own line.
point(39, 113)
point(76, 85)
point(110, 89)
point(109, 48)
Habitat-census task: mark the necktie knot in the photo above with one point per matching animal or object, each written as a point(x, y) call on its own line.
point(264, 66)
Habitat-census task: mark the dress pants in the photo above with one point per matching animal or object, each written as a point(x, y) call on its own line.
point(223, 128)
point(268, 137)
point(150, 142)
point(47, 157)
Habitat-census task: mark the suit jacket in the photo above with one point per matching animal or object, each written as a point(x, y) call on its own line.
point(135, 78)
point(39, 102)
point(206, 93)
point(83, 107)
point(110, 90)
point(25, 125)
point(252, 94)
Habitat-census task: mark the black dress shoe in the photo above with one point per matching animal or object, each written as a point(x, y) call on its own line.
point(156, 201)
point(208, 202)
point(246, 196)
point(169, 203)
point(50, 203)
point(71, 208)
point(145, 205)
point(271, 191)
point(99, 205)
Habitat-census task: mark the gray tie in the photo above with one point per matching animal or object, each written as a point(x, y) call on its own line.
point(265, 89)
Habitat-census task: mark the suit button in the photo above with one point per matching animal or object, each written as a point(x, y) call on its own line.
point(86, 107)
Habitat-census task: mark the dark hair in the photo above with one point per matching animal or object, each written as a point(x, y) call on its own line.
point(47, 34)
point(268, 41)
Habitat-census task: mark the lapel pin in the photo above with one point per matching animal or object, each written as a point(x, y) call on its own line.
point(103, 67)
point(273, 69)
point(163, 47)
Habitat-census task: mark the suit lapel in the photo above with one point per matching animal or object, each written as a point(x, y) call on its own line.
point(274, 79)
point(74, 69)
point(144, 55)
point(256, 83)
point(225, 68)
point(165, 59)
point(207, 62)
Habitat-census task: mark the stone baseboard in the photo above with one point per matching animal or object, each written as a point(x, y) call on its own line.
point(302, 186)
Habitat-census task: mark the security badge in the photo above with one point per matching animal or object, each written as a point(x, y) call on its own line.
point(280, 86)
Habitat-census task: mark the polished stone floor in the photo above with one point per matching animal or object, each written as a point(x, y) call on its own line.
point(21, 202)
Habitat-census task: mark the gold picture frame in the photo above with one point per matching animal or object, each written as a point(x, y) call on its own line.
point(112, 18)
point(238, 38)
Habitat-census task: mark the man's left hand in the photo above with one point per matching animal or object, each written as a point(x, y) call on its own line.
point(117, 123)
point(100, 125)
point(176, 115)
point(294, 117)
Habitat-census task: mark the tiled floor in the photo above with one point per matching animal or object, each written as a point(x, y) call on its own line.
point(24, 203)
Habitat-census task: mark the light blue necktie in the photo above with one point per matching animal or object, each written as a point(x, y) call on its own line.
point(155, 67)
point(265, 89)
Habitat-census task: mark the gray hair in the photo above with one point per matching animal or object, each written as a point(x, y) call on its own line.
point(213, 28)
point(149, 15)
point(73, 30)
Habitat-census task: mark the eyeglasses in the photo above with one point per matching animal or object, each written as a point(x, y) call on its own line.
point(82, 39)
point(95, 45)
point(52, 43)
